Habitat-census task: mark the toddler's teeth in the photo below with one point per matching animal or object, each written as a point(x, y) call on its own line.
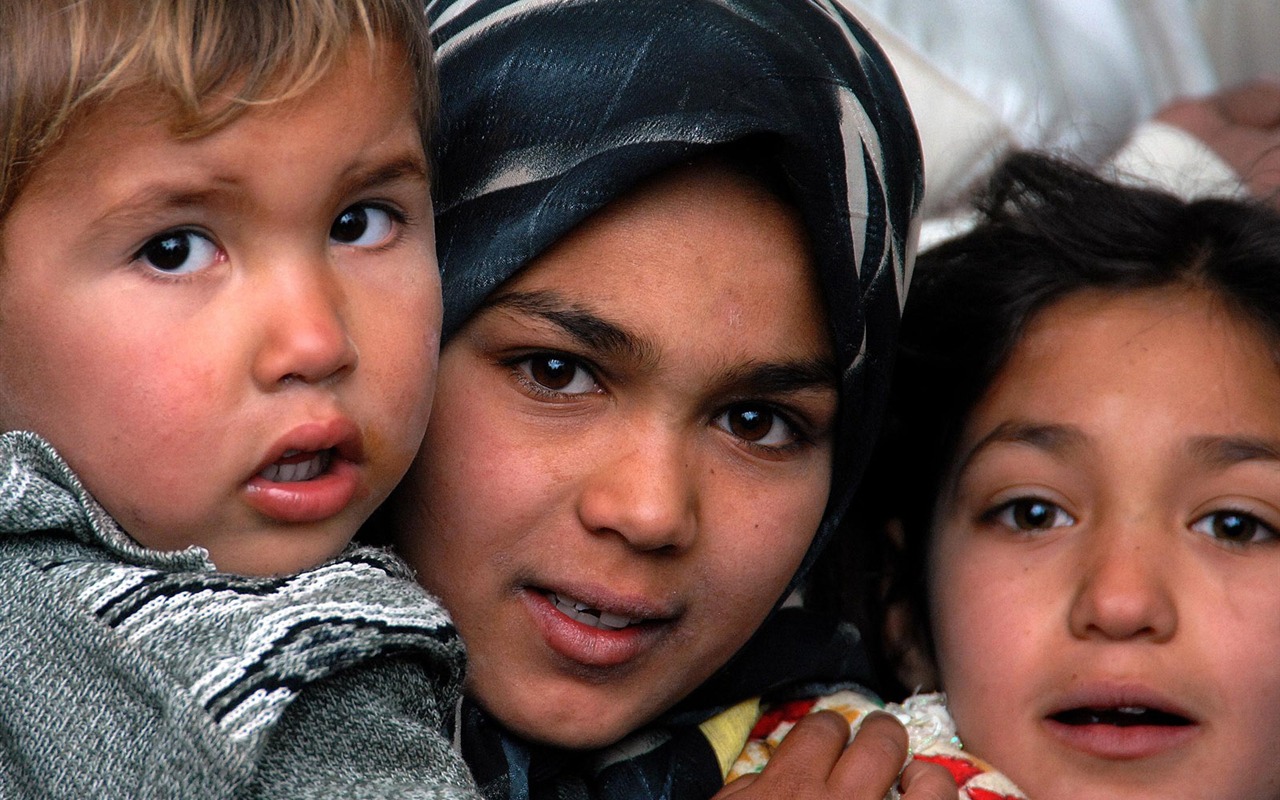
point(296, 472)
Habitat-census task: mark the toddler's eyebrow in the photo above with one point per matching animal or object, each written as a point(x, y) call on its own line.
point(179, 194)
point(1224, 451)
point(407, 167)
point(158, 196)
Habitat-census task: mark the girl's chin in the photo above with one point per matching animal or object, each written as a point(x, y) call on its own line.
point(568, 724)
point(573, 736)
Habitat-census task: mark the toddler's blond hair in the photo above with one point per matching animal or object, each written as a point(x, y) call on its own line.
point(60, 58)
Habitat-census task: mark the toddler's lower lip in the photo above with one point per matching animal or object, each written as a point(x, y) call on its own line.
point(297, 493)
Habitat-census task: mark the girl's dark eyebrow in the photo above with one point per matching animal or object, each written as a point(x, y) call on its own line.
point(784, 377)
point(601, 335)
point(589, 329)
point(1051, 438)
point(1225, 451)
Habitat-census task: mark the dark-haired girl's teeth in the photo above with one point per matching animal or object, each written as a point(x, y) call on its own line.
point(296, 472)
point(581, 612)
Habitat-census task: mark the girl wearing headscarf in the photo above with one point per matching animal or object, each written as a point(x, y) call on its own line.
point(675, 237)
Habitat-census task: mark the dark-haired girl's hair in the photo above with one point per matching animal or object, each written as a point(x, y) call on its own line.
point(1047, 230)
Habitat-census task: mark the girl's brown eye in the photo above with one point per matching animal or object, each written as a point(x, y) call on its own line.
point(757, 424)
point(560, 375)
point(1030, 514)
point(1235, 527)
point(1034, 515)
point(752, 424)
point(552, 372)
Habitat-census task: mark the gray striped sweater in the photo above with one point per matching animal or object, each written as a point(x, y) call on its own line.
point(127, 672)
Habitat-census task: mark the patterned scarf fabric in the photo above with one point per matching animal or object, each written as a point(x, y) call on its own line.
point(553, 108)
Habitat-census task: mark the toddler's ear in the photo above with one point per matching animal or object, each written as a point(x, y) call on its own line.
point(906, 641)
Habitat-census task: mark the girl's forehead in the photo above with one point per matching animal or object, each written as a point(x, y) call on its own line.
point(1158, 369)
point(699, 255)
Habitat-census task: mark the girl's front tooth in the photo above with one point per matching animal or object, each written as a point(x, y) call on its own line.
point(613, 620)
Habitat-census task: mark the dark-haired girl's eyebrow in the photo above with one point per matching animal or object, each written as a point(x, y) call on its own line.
point(587, 328)
point(1050, 437)
point(1220, 452)
point(603, 336)
point(783, 377)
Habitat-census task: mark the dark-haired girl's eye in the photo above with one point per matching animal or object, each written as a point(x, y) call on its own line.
point(756, 424)
point(1237, 527)
point(1030, 514)
point(560, 374)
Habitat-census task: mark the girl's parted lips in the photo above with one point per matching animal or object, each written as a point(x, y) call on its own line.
point(584, 613)
point(598, 609)
point(1121, 707)
point(1119, 716)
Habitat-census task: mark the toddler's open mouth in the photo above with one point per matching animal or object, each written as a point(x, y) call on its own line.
point(296, 466)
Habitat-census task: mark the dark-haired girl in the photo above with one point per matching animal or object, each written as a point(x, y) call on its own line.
point(1082, 487)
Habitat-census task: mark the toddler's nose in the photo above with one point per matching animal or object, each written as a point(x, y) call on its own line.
point(304, 334)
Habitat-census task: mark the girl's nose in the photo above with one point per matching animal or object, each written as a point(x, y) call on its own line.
point(643, 490)
point(304, 335)
point(1124, 588)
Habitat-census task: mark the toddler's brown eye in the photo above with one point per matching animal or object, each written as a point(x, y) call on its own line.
point(179, 252)
point(350, 225)
point(363, 225)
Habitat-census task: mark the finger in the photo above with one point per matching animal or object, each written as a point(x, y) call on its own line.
point(810, 750)
point(869, 766)
point(738, 785)
point(924, 781)
point(1255, 104)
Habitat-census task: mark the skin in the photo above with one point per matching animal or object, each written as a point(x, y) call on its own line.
point(169, 379)
point(641, 420)
point(1110, 539)
point(814, 762)
point(1242, 126)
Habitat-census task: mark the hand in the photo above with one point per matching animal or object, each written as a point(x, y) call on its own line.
point(813, 762)
point(1241, 125)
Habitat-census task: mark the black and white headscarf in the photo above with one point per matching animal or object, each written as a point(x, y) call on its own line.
point(553, 108)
